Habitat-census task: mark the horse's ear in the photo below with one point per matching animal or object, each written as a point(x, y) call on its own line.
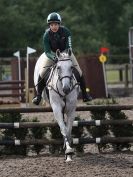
point(57, 53)
point(69, 52)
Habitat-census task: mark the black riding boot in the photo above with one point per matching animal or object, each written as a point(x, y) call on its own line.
point(85, 95)
point(40, 86)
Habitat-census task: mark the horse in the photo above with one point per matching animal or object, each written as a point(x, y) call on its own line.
point(63, 94)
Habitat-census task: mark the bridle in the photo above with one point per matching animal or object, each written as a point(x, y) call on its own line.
point(61, 78)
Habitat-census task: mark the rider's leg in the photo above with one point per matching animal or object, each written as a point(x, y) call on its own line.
point(86, 96)
point(40, 86)
point(45, 63)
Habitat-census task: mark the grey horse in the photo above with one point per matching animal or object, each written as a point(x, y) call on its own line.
point(63, 94)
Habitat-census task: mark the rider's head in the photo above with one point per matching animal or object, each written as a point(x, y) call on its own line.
point(54, 21)
point(54, 18)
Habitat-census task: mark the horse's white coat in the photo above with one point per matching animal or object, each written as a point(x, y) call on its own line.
point(56, 101)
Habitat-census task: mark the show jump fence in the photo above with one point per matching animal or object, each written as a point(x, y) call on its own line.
point(76, 123)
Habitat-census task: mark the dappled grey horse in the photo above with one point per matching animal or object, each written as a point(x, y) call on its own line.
point(63, 93)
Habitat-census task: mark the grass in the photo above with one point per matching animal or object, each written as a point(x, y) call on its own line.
point(112, 76)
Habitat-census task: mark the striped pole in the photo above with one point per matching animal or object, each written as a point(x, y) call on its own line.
point(75, 123)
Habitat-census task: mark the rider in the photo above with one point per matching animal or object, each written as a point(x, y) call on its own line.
point(56, 37)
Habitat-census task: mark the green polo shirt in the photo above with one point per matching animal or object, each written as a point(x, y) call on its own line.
point(46, 41)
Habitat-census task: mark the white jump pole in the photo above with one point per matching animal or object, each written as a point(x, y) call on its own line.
point(17, 54)
point(103, 59)
point(130, 43)
point(29, 51)
point(105, 80)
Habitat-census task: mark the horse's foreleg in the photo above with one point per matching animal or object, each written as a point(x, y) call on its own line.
point(69, 150)
point(69, 124)
point(59, 118)
point(70, 118)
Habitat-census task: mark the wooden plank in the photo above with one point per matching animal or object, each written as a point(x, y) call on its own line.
point(12, 88)
point(12, 95)
point(12, 82)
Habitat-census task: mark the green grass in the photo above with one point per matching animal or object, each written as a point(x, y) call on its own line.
point(113, 76)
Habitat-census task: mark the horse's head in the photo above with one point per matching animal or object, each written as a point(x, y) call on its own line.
point(65, 68)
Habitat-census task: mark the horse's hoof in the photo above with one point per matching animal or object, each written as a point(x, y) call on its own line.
point(69, 151)
point(68, 158)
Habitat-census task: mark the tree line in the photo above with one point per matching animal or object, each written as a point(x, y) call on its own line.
point(93, 24)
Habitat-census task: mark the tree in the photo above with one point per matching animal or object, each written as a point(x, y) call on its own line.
point(93, 24)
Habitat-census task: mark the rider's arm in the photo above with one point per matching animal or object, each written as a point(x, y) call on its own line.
point(47, 48)
point(68, 41)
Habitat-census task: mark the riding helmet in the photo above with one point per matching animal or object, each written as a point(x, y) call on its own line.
point(54, 17)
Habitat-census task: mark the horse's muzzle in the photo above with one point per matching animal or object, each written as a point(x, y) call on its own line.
point(66, 89)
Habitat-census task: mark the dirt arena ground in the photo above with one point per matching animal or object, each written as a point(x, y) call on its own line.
point(89, 164)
